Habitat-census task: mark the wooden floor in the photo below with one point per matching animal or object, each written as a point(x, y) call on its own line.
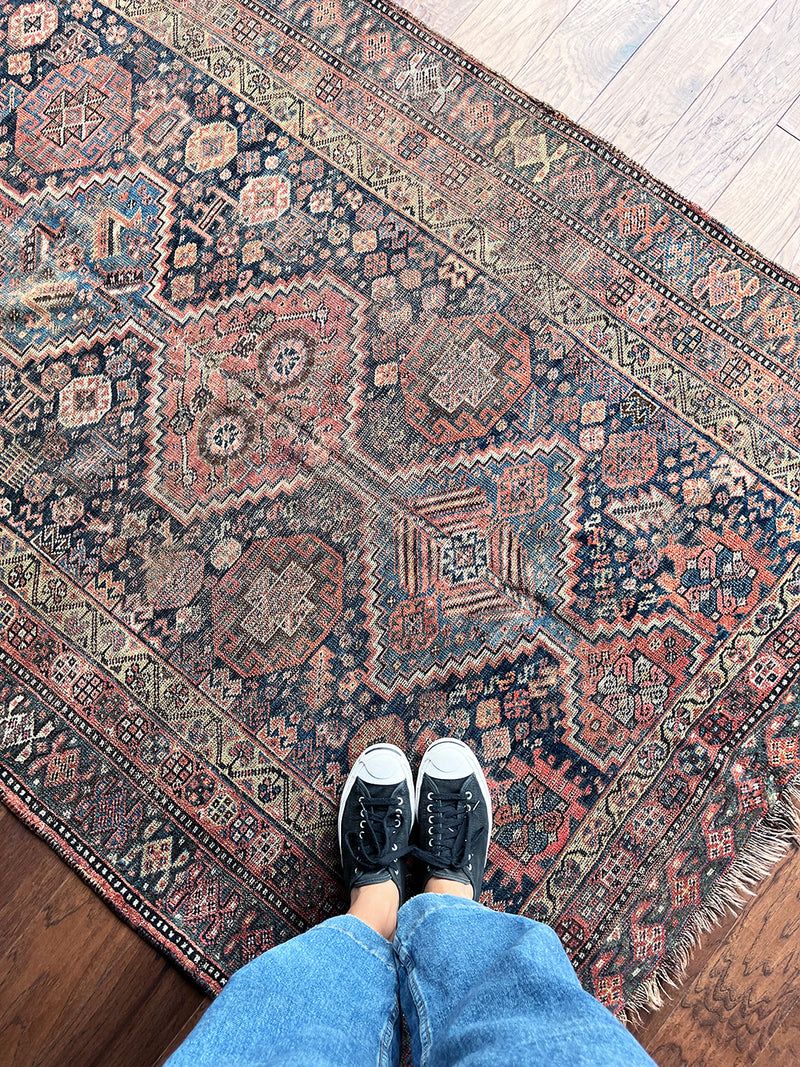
point(706, 95)
point(703, 93)
point(78, 988)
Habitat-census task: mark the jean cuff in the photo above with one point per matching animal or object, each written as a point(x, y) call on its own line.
point(416, 910)
point(363, 935)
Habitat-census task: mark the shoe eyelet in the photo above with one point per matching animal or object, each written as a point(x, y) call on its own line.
point(430, 796)
point(429, 807)
point(469, 795)
point(394, 848)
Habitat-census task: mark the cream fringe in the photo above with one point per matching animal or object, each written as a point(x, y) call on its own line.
point(777, 833)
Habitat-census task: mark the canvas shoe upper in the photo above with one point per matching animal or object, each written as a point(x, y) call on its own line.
point(454, 812)
point(375, 818)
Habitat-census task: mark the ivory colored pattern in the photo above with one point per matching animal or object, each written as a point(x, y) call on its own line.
point(350, 394)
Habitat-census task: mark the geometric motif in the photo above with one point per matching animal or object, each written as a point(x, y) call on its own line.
point(277, 604)
point(68, 246)
point(462, 375)
point(246, 400)
point(717, 582)
point(264, 199)
point(75, 115)
point(345, 404)
point(84, 400)
point(522, 489)
point(629, 459)
point(211, 147)
point(32, 24)
point(627, 694)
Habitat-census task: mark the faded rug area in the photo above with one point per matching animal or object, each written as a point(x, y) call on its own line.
point(347, 395)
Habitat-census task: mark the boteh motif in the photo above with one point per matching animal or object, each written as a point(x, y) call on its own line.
point(346, 396)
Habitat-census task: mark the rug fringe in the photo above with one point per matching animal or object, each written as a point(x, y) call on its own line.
point(777, 834)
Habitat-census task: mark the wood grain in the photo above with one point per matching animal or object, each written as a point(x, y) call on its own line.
point(77, 986)
point(28, 877)
point(695, 90)
point(767, 177)
point(705, 149)
point(651, 1023)
point(586, 49)
point(730, 1012)
point(644, 100)
point(784, 1046)
point(444, 17)
point(181, 1035)
point(790, 120)
point(789, 255)
point(504, 33)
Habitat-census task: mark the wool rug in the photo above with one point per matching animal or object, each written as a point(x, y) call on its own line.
point(348, 394)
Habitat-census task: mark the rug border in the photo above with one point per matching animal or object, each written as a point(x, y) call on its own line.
point(719, 231)
point(113, 899)
point(774, 837)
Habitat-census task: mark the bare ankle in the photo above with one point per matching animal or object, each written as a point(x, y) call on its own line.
point(377, 906)
point(448, 885)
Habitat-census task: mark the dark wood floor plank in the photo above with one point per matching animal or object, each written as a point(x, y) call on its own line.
point(28, 876)
point(184, 1032)
point(731, 1011)
point(154, 1000)
point(51, 973)
point(77, 985)
point(784, 1048)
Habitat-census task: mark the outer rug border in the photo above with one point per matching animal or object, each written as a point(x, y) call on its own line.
point(777, 832)
point(696, 214)
point(123, 902)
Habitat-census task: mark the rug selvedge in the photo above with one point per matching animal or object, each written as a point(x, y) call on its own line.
point(351, 395)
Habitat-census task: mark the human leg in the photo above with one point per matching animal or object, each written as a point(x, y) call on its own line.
point(483, 987)
point(325, 998)
point(328, 997)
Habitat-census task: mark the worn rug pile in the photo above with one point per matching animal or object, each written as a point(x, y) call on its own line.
point(349, 394)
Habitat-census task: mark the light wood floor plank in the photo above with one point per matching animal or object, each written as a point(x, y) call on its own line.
point(770, 177)
point(586, 50)
point(444, 16)
point(664, 77)
point(790, 121)
point(789, 255)
point(504, 33)
point(707, 147)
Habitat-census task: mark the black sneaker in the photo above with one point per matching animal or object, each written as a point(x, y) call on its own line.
point(375, 818)
point(454, 810)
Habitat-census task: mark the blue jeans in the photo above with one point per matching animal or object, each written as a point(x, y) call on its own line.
point(478, 988)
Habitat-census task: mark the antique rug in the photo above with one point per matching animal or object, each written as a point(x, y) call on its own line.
point(349, 394)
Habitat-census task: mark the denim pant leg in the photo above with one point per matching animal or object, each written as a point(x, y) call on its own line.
point(326, 998)
point(483, 987)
